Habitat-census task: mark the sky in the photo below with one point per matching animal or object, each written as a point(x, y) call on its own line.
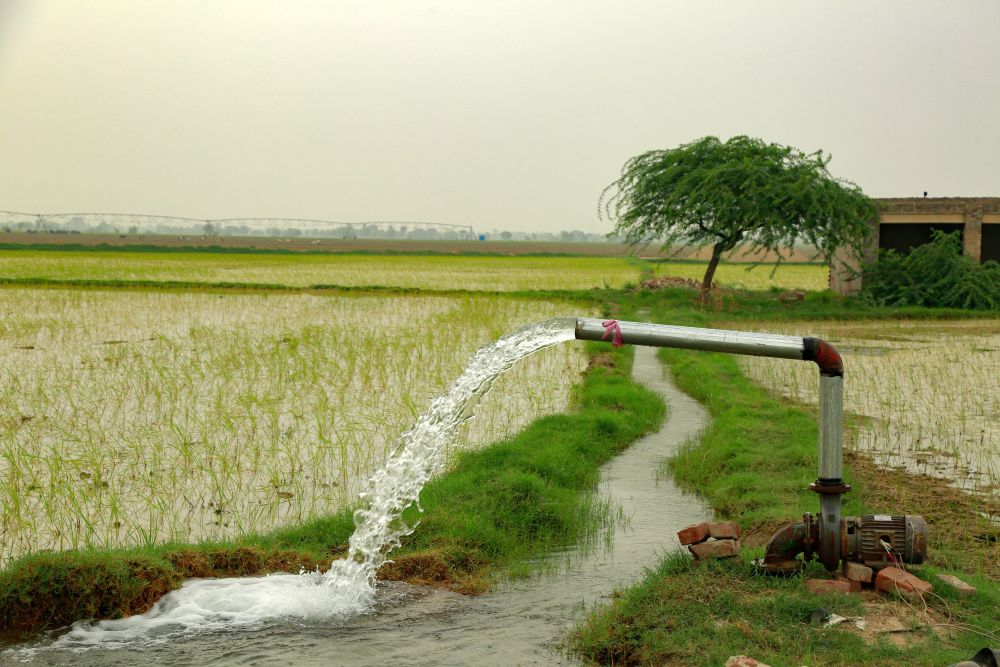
point(497, 114)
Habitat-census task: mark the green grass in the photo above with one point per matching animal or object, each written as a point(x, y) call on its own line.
point(758, 456)
point(753, 465)
point(740, 275)
point(498, 508)
point(685, 613)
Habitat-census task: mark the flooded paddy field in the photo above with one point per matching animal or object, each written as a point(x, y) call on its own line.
point(927, 393)
point(135, 417)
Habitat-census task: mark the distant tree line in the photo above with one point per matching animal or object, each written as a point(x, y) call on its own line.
point(201, 228)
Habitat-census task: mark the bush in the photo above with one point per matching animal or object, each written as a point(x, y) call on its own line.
point(935, 274)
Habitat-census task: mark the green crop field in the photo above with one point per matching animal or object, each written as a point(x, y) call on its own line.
point(430, 272)
point(426, 272)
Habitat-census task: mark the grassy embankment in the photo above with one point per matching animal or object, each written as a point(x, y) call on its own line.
point(497, 508)
point(753, 465)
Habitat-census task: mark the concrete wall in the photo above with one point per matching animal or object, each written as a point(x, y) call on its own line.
point(970, 212)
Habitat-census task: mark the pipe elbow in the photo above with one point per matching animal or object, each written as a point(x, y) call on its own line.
point(825, 356)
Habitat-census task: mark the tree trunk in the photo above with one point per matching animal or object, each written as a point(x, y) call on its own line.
point(706, 283)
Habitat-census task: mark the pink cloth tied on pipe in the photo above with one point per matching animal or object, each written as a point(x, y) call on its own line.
point(611, 327)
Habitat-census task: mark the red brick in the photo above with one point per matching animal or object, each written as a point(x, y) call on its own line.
point(957, 584)
point(894, 580)
point(857, 572)
point(828, 586)
point(693, 534)
point(853, 583)
point(724, 530)
point(715, 549)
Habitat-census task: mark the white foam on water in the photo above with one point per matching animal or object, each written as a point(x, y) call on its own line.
point(347, 589)
point(205, 605)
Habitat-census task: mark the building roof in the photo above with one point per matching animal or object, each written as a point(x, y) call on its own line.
point(938, 204)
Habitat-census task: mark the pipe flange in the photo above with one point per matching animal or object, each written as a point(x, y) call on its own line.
point(838, 489)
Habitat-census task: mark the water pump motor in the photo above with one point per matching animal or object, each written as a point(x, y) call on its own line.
point(877, 540)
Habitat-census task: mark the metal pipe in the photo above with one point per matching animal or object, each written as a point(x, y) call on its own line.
point(831, 423)
point(829, 483)
point(693, 338)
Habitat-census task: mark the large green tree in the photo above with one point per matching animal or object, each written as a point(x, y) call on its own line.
point(738, 193)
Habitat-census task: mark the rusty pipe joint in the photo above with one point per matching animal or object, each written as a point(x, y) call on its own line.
point(825, 355)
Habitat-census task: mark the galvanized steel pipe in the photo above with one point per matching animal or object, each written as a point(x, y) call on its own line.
point(693, 338)
point(829, 483)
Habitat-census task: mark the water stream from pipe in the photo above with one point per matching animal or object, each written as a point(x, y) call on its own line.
point(303, 620)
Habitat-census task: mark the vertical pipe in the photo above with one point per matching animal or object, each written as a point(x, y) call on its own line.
point(830, 483)
point(831, 425)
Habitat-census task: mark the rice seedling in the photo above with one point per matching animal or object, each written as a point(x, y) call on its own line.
point(926, 392)
point(138, 417)
point(457, 272)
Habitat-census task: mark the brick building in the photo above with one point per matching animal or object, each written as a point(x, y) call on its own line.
point(906, 222)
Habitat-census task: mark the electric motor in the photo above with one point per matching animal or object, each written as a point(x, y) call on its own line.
point(882, 540)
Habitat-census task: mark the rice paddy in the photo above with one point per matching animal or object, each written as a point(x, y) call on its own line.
point(491, 273)
point(927, 392)
point(138, 417)
point(430, 272)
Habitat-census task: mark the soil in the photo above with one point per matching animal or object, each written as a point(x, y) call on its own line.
point(902, 623)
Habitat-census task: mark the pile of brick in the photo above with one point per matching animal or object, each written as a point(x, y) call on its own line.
point(854, 577)
point(670, 281)
point(715, 539)
point(721, 539)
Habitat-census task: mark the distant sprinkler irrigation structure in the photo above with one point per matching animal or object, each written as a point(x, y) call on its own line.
point(139, 223)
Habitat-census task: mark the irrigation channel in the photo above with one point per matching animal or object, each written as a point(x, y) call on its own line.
point(344, 617)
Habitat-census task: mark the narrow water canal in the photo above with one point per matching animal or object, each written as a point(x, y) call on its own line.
point(523, 623)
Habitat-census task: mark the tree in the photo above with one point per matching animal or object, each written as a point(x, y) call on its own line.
point(741, 192)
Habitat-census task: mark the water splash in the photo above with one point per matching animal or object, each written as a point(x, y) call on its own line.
point(347, 589)
point(420, 450)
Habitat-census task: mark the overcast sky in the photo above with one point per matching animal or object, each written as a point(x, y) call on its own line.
point(500, 114)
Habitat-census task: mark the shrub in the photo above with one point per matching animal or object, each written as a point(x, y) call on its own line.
point(935, 274)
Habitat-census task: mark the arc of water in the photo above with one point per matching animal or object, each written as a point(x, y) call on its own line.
point(420, 450)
